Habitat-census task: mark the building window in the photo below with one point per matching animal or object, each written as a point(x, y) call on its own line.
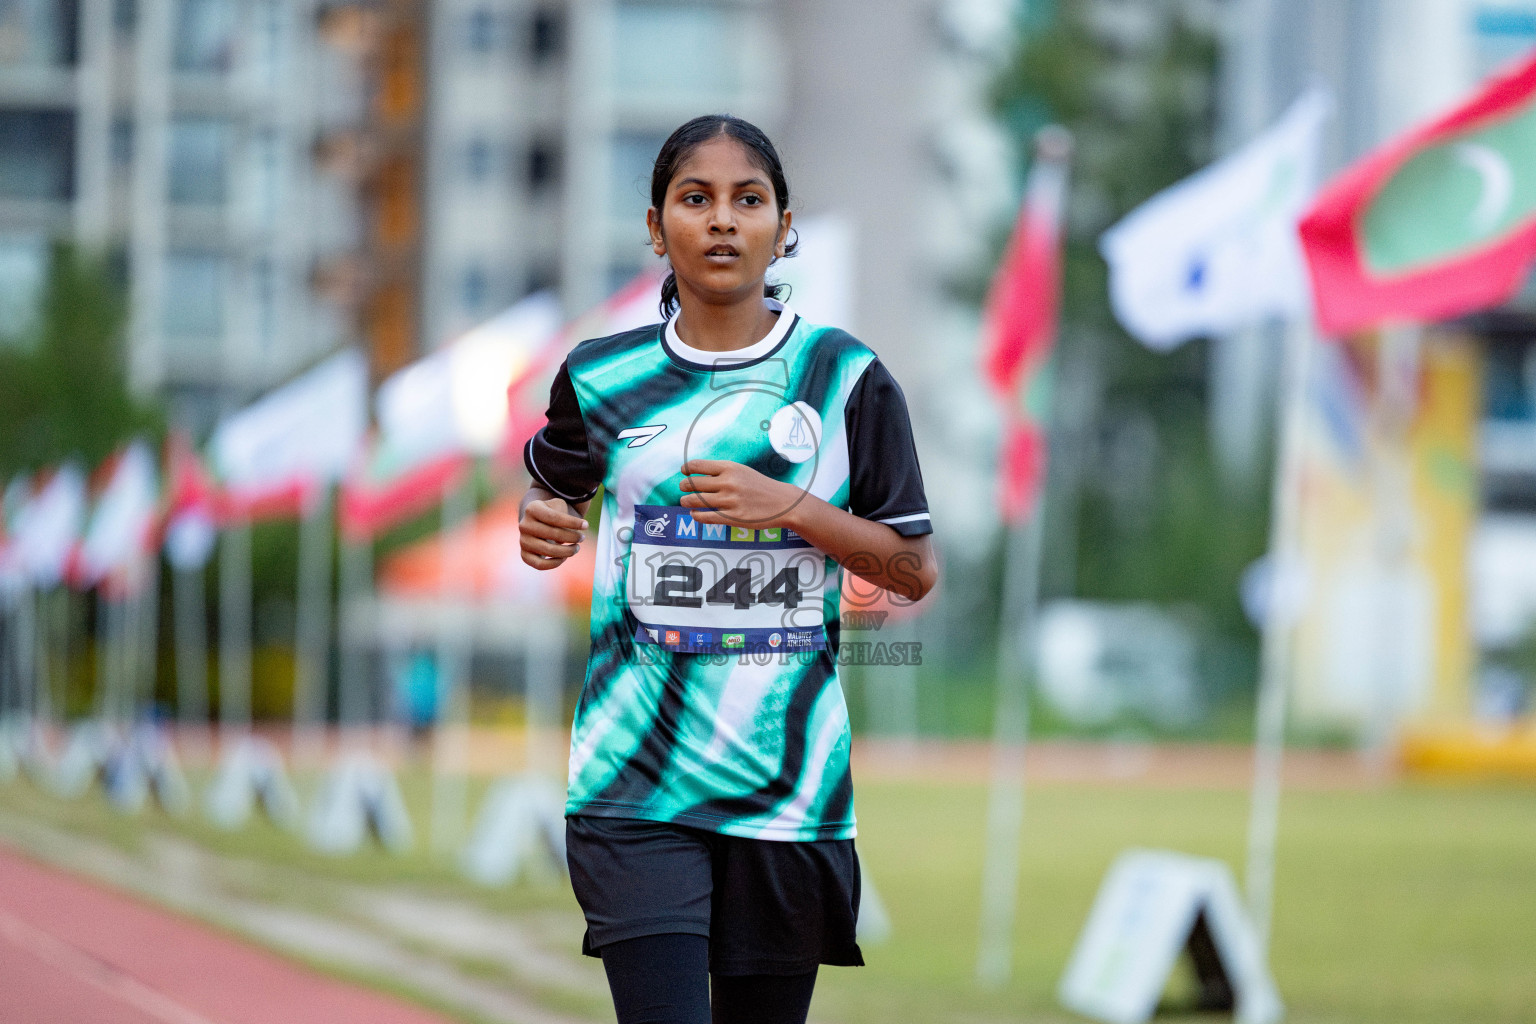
point(543, 165)
point(475, 290)
point(23, 273)
point(199, 160)
point(122, 142)
point(658, 46)
point(621, 274)
point(477, 159)
point(264, 276)
point(37, 33)
point(480, 30)
point(204, 36)
point(37, 155)
point(542, 277)
point(634, 157)
point(546, 35)
point(194, 295)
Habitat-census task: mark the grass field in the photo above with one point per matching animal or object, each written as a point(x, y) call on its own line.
point(1407, 903)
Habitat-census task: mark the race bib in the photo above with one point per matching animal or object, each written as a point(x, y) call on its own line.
point(706, 588)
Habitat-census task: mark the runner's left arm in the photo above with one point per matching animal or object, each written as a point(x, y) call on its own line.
point(883, 536)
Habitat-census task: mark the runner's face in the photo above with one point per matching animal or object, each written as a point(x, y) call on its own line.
point(720, 224)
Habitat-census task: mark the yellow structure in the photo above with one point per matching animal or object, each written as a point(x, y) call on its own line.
point(1389, 497)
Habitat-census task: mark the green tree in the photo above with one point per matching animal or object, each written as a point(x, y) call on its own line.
point(1149, 517)
point(63, 382)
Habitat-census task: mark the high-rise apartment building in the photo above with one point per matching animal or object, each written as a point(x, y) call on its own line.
point(281, 177)
point(178, 135)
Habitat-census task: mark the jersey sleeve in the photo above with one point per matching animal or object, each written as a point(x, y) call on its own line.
point(885, 483)
point(557, 456)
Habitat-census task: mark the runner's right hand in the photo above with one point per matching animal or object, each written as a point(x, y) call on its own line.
point(548, 533)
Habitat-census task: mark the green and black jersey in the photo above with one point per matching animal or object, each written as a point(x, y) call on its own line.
point(712, 696)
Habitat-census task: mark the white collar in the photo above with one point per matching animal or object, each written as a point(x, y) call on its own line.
point(756, 350)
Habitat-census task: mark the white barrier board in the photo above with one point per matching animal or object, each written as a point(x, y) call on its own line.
point(1151, 906)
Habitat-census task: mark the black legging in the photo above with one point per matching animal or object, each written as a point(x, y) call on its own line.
point(664, 979)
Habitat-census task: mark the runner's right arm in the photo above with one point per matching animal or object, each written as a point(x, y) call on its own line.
point(551, 521)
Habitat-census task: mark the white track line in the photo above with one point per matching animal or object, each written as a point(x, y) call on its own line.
point(97, 972)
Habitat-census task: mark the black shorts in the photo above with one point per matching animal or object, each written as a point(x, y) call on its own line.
point(767, 907)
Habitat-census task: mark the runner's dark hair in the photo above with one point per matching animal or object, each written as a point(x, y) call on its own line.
point(680, 146)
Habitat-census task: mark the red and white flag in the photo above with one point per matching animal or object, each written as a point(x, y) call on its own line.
point(47, 527)
point(191, 507)
point(1019, 323)
point(437, 414)
point(274, 455)
point(637, 304)
point(1437, 223)
point(121, 530)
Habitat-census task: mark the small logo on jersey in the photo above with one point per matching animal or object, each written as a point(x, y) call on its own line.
point(734, 640)
point(768, 536)
point(774, 639)
point(674, 637)
point(657, 527)
point(640, 435)
point(805, 639)
point(687, 526)
point(714, 531)
point(701, 639)
point(742, 533)
point(655, 635)
point(795, 431)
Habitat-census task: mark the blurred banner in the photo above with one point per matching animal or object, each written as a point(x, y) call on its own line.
point(1218, 251)
point(821, 274)
point(1384, 634)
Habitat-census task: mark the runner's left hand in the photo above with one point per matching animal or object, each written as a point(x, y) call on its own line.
point(727, 492)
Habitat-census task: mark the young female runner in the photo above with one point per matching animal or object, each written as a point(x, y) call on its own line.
point(744, 455)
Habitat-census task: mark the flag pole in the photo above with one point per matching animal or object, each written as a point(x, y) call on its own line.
point(151, 627)
point(234, 637)
point(190, 616)
point(1276, 645)
point(312, 629)
point(1398, 361)
point(356, 581)
point(1005, 803)
point(1020, 325)
point(450, 734)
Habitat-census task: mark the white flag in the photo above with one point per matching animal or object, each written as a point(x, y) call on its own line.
point(1219, 251)
point(120, 524)
point(307, 431)
point(48, 527)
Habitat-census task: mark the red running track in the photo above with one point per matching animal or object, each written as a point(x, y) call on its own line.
point(73, 952)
